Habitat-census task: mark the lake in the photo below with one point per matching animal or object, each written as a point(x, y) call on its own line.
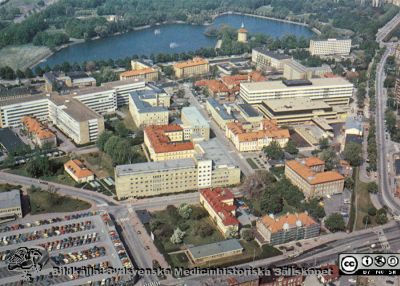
point(169, 38)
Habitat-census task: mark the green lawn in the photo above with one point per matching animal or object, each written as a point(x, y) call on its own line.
point(363, 202)
point(59, 177)
point(252, 163)
point(21, 57)
point(43, 202)
point(100, 163)
point(8, 187)
point(128, 120)
point(190, 238)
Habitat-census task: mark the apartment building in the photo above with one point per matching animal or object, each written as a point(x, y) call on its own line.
point(293, 70)
point(41, 135)
point(219, 203)
point(334, 91)
point(330, 47)
point(75, 119)
point(219, 112)
point(194, 124)
point(196, 67)
point(300, 110)
point(78, 171)
point(209, 167)
point(141, 71)
point(166, 142)
point(309, 176)
point(289, 227)
point(249, 137)
point(10, 205)
point(265, 59)
point(149, 107)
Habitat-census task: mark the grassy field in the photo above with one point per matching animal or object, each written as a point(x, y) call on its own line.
point(252, 163)
point(8, 187)
point(43, 202)
point(59, 177)
point(128, 120)
point(100, 163)
point(363, 202)
point(21, 57)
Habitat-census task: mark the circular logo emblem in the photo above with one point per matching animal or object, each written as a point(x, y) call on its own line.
point(392, 261)
point(380, 261)
point(367, 261)
point(349, 264)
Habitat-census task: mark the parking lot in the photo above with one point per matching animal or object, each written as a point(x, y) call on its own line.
point(82, 240)
point(338, 203)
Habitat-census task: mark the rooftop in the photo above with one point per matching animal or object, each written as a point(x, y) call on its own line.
point(78, 169)
point(74, 108)
point(213, 150)
point(151, 167)
point(143, 71)
point(295, 104)
point(212, 249)
point(277, 85)
point(191, 63)
point(269, 129)
point(10, 140)
point(272, 54)
point(34, 126)
point(8, 100)
point(10, 199)
point(193, 115)
point(218, 199)
point(138, 97)
point(220, 109)
point(287, 221)
point(249, 110)
point(160, 141)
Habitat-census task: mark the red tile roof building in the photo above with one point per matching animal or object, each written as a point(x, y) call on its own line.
point(78, 171)
point(41, 135)
point(249, 137)
point(166, 142)
point(219, 203)
point(309, 176)
point(286, 228)
point(227, 88)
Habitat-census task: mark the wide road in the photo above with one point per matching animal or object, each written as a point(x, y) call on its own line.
point(386, 195)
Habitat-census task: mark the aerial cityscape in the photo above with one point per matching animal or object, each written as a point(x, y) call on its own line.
point(213, 142)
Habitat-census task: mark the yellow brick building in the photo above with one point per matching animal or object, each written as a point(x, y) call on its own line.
point(196, 67)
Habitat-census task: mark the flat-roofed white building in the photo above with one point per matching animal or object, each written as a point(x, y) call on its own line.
point(13, 109)
point(10, 205)
point(76, 120)
point(123, 88)
point(100, 99)
point(334, 91)
point(330, 47)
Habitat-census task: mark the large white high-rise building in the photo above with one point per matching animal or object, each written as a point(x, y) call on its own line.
point(330, 47)
point(334, 91)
